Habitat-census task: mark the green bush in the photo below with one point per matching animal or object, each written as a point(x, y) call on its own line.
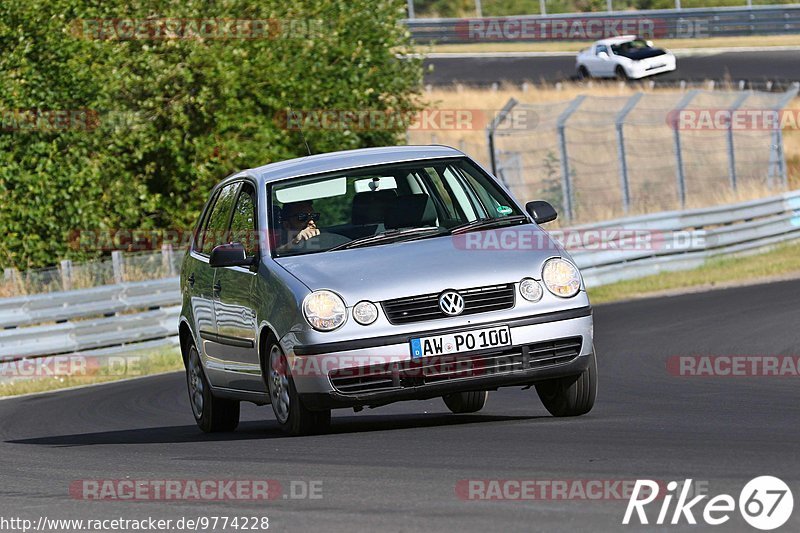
point(174, 116)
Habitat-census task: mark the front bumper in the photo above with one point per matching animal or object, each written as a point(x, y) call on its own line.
point(542, 347)
point(643, 70)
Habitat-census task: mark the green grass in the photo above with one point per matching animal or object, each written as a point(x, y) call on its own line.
point(138, 364)
point(782, 261)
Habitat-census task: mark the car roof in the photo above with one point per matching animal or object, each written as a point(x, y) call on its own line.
point(615, 40)
point(343, 160)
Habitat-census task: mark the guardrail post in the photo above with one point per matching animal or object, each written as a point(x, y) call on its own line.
point(731, 148)
point(66, 275)
point(566, 180)
point(10, 275)
point(168, 259)
point(118, 264)
point(676, 137)
point(623, 163)
point(490, 130)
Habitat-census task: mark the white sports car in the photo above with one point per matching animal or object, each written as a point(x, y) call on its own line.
point(625, 57)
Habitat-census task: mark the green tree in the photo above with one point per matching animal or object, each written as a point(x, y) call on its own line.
point(175, 115)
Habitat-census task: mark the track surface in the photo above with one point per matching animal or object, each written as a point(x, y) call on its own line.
point(395, 468)
point(751, 66)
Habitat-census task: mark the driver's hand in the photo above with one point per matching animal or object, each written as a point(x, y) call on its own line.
point(308, 232)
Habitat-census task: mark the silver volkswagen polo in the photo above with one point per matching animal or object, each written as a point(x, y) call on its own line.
point(365, 277)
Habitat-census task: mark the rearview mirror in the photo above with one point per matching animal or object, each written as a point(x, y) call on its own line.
point(229, 255)
point(541, 211)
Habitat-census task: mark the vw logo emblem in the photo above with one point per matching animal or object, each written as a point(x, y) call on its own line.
point(451, 303)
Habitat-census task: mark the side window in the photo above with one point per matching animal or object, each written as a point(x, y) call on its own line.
point(601, 48)
point(214, 232)
point(243, 224)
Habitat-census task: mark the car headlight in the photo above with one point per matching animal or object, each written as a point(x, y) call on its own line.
point(324, 310)
point(530, 289)
point(365, 313)
point(561, 277)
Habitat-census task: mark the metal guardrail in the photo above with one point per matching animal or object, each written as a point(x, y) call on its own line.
point(704, 233)
point(108, 319)
point(88, 320)
point(667, 23)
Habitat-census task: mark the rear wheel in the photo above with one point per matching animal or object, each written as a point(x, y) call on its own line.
point(466, 402)
point(583, 73)
point(293, 417)
point(571, 395)
point(620, 73)
point(211, 414)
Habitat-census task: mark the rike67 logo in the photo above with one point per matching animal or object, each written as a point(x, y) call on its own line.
point(765, 503)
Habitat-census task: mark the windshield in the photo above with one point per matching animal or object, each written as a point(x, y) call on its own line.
point(623, 49)
point(382, 204)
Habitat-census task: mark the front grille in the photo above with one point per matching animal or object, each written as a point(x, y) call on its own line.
point(429, 370)
point(426, 307)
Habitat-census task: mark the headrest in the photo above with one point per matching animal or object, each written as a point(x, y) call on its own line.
point(369, 207)
point(411, 210)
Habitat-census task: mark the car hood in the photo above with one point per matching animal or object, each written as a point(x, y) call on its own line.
point(427, 266)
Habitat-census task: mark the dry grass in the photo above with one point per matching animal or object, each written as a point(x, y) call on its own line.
point(592, 148)
point(574, 46)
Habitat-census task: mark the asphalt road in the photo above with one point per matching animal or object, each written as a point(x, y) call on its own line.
point(396, 468)
point(751, 66)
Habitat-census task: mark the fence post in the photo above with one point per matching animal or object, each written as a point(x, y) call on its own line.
point(676, 137)
point(731, 148)
point(490, 130)
point(168, 259)
point(777, 159)
point(118, 264)
point(623, 163)
point(66, 275)
point(566, 181)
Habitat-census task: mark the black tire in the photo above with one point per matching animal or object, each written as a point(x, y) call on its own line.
point(466, 402)
point(211, 414)
point(620, 73)
point(572, 395)
point(293, 417)
point(583, 73)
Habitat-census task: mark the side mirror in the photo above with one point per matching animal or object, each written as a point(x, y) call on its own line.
point(229, 255)
point(602, 55)
point(649, 43)
point(541, 211)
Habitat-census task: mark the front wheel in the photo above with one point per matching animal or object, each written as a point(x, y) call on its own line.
point(466, 402)
point(571, 395)
point(293, 417)
point(211, 414)
point(620, 73)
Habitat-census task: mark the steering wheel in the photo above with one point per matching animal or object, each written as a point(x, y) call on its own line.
point(323, 241)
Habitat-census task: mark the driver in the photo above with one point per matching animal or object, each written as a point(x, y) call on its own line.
point(298, 220)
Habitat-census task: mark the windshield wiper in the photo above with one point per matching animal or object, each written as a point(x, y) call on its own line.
point(484, 223)
point(386, 236)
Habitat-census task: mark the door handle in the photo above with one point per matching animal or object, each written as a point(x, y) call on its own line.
point(217, 287)
point(190, 279)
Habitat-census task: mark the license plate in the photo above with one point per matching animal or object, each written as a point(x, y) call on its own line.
point(467, 341)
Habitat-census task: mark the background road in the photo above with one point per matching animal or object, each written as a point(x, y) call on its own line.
point(752, 66)
point(396, 467)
